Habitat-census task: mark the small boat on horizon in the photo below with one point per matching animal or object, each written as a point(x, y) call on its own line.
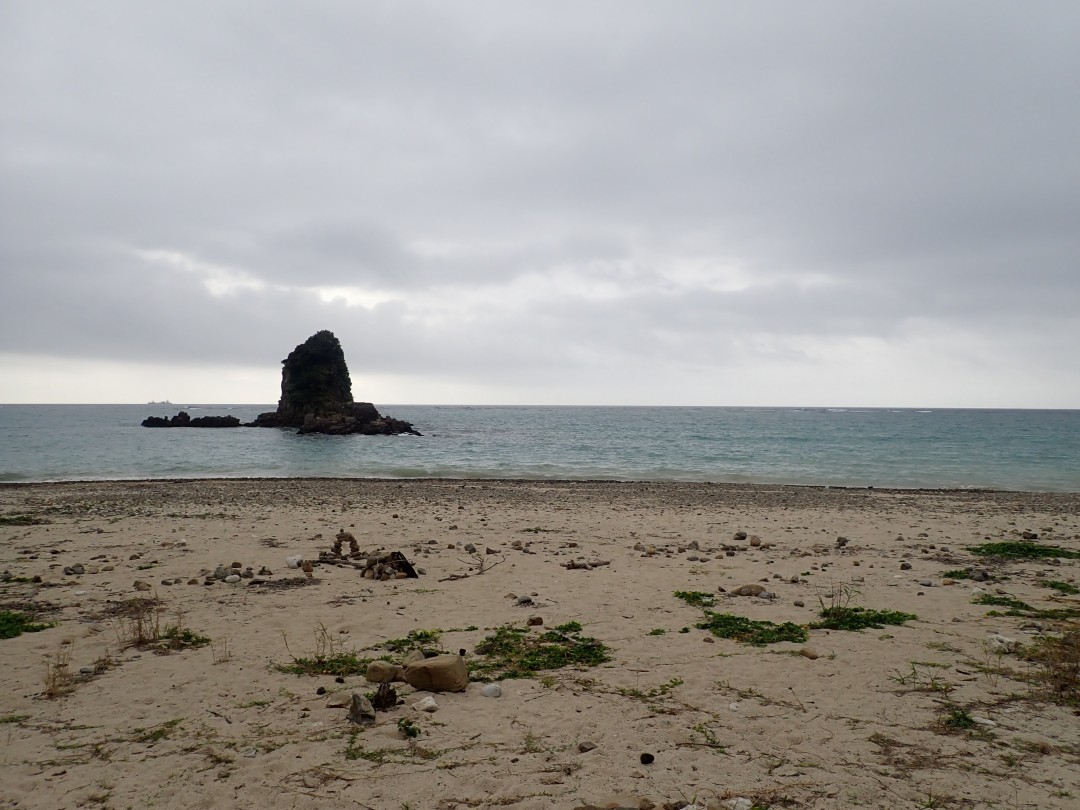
point(163, 402)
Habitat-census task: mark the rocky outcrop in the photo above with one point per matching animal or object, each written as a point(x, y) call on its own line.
point(316, 394)
point(182, 419)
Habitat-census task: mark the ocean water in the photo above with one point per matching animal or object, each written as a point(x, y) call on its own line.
point(906, 448)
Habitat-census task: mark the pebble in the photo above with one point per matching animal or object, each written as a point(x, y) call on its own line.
point(905, 566)
point(925, 583)
point(586, 746)
point(737, 803)
point(492, 690)
point(799, 603)
point(426, 704)
point(535, 621)
point(524, 600)
point(338, 701)
point(806, 652)
point(142, 586)
point(232, 578)
point(647, 759)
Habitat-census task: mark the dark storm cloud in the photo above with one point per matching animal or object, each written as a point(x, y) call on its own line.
point(512, 189)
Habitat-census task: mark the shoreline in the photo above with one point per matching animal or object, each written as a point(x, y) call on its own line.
point(843, 719)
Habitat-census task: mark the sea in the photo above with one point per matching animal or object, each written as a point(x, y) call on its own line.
point(1022, 450)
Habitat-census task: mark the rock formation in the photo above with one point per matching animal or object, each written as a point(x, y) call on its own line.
point(316, 394)
point(182, 419)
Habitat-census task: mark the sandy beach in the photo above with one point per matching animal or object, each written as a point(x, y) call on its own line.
point(952, 709)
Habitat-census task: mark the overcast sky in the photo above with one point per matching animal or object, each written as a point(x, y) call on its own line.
point(699, 203)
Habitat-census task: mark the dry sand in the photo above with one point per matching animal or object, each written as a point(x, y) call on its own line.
point(860, 725)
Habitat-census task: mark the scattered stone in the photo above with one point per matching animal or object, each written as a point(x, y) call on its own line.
point(221, 572)
point(383, 672)
point(142, 586)
point(647, 759)
point(841, 542)
point(586, 746)
point(979, 575)
point(265, 572)
point(524, 600)
point(361, 710)
point(806, 652)
point(749, 590)
point(535, 621)
point(492, 690)
point(905, 566)
point(1000, 644)
point(925, 583)
point(737, 803)
point(232, 579)
point(755, 540)
point(740, 536)
point(442, 673)
point(339, 701)
point(799, 603)
point(426, 704)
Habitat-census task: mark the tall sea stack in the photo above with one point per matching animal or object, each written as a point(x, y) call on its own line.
point(316, 394)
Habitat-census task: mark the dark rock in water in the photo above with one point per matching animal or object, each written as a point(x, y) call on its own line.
point(182, 419)
point(316, 395)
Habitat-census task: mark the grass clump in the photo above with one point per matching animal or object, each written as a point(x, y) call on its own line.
point(157, 733)
point(328, 658)
point(415, 638)
point(698, 599)
point(751, 631)
point(1004, 601)
point(1059, 659)
point(958, 573)
point(21, 520)
point(1022, 550)
point(857, 618)
point(515, 653)
point(13, 623)
point(1061, 587)
point(958, 720)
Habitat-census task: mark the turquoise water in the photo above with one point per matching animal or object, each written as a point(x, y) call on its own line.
point(1019, 450)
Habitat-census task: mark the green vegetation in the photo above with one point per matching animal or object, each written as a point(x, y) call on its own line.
point(13, 623)
point(1022, 550)
point(1024, 610)
point(408, 727)
point(1061, 587)
point(857, 618)
point(956, 574)
point(177, 637)
point(659, 631)
point(157, 733)
point(13, 718)
point(515, 653)
point(415, 638)
point(1059, 659)
point(698, 599)
point(338, 664)
point(958, 720)
point(751, 631)
point(21, 520)
point(1003, 601)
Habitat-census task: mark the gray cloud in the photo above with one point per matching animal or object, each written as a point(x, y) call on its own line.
point(541, 192)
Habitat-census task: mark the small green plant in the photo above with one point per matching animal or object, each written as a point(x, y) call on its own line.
point(328, 658)
point(13, 718)
point(659, 631)
point(698, 599)
point(156, 733)
point(515, 653)
point(857, 618)
point(408, 728)
point(959, 573)
point(13, 623)
point(415, 638)
point(958, 720)
point(1022, 550)
point(751, 631)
